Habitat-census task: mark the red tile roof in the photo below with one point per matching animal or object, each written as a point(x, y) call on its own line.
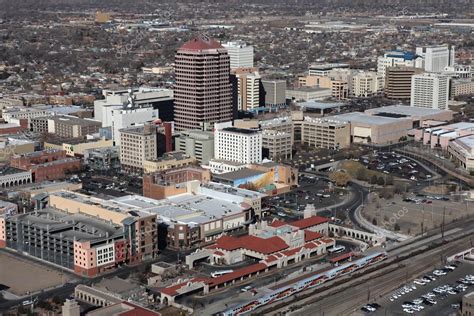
point(310, 235)
point(201, 43)
point(291, 252)
point(309, 222)
point(257, 244)
point(218, 253)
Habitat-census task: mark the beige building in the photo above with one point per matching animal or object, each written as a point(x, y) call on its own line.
point(467, 308)
point(461, 151)
point(278, 144)
point(72, 127)
point(461, 87)
point(169, 160)
point(137, 144)
point(77, 146)
point(248, 88)
point(339, 87)
point(366, 84)
point(13, 146)
point(325, 133)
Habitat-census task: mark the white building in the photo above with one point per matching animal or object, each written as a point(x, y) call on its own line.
point(237, 144)
point(430, 90)
point(241, 55)
point(366, 84)
point(397, 59)
point(436, 58)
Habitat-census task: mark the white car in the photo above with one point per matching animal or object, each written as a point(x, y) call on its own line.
point(419, 282)
point(407, 310)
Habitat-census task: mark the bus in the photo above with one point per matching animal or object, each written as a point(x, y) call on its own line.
point(336, 249)
point(216, 274)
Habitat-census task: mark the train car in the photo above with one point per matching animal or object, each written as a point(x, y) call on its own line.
point(304, 284)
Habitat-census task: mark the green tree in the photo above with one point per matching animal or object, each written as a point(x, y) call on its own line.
point(373, 179)
point(381, 181)
point(361, 174)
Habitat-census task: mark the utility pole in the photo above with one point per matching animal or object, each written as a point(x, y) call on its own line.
point(442, 224)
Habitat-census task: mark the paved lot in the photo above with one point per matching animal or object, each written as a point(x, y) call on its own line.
point(312, 190)
point(443, 304)
point(23, 276)
point(395, 165)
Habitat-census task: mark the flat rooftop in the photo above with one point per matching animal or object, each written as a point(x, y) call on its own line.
point(468, 141)
point(362, 118)
point(10, 170)
point(69, 226)
point(187, 208)
point(406, 110)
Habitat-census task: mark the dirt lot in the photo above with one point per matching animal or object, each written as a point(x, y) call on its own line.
point(409, 215)
point(24, 276)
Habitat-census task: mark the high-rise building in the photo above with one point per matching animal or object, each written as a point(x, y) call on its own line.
point(248, 89)
point(436, 58)
point(202, 91)
point(275, 93)
point(237, 144)
point(241, 55)
point(398, 82)
point(430, 90)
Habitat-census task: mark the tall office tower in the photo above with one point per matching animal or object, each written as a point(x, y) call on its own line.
point(430, 90)
point(241, 55)
point(248, 89)
point(397, 58)
point(202, 90)
point(436, 58)
point(398, 82)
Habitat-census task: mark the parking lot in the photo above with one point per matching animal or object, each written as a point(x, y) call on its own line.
point(116, 186)
point(429, 294)
point(396, 165)
point(312, 190)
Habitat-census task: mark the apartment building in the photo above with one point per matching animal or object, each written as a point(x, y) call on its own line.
point(325, 133)
point(430, 90)
point(138, 144)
